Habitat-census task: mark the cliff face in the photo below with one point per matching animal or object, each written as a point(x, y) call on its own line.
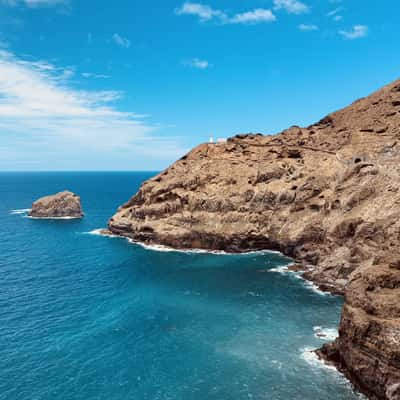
point(327, 195)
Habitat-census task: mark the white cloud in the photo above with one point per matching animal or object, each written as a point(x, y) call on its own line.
point(291, 6)
point(121, 41)
point(255, 16)
point(206, 13)
point(334, 12)
point(197, 63)
point(40, 109)
point(308, 27)
point(36, 3)
point(33, 3)
point(357, 32)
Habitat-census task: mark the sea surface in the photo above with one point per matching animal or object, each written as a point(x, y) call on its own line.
point(84, 316)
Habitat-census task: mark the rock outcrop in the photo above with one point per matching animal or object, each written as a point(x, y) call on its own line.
point(327, 195)
point(60, 205)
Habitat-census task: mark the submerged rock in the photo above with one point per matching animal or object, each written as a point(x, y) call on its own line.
point(327, 195)
point(60, 205)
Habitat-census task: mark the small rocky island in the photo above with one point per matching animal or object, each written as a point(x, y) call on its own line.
point(60, 205)
point(327, 195)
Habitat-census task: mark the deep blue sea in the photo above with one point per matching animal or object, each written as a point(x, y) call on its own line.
point(89, 317)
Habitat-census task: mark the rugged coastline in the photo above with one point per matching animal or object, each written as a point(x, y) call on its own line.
point(327, 196)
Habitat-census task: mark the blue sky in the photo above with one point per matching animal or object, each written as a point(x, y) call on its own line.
point(132, 85)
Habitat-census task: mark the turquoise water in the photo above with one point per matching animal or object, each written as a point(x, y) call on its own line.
point(89, 317)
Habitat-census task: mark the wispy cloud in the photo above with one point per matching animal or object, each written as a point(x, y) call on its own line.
point(357, 32)
point(291, 6)
point(206, 13)
point(95, 76)
point(334, 14)
point(197, 63)
point(253, 17)
point(33, 3)
point(202, 11)
point(308, 27)
point(38, 104)
point(121, 41)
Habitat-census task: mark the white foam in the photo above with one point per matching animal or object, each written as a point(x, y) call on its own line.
point(21, 211)
point(58, 218)
point(312, 286)
point(281, 270)
point(96, 232)
point(100, 232)
point(24, 212)
point(284, 270)
point(167, 249)
point(328, 334)
point(253, 294)
point(309, 355)
point(162, 248)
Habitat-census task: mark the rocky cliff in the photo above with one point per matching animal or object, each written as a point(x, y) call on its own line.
point(327, 195)
point(60, 205)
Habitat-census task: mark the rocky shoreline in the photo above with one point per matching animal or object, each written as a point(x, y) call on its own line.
point(328, 196)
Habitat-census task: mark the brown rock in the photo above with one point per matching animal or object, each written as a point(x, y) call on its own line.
point(60, 205)
point(327, 195)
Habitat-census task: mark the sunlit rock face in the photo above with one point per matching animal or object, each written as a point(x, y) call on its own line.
point(60, 205)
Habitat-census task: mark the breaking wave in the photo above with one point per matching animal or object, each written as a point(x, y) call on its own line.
point(22, 211)
point(329, 334)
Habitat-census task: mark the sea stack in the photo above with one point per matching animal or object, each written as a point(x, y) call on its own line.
point(327, 195)
point(60, 205)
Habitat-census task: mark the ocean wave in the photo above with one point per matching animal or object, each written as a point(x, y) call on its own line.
point(312, 286)
point(21, 211)
point(57, 218)
point(167, 249)
point(96, 232)
point(163, 248)
point(309, 355)
point(284, 270)
point(100, 232)
point(329, 334)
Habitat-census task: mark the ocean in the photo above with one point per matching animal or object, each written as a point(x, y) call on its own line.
point(88, 317)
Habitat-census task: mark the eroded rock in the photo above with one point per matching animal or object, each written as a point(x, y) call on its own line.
point(327, 195)
point(60, 205)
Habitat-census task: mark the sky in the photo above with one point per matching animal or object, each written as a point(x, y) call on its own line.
point(134, 85)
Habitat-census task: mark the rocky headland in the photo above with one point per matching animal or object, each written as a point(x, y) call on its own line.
point(327, 195)
point(60, 205)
